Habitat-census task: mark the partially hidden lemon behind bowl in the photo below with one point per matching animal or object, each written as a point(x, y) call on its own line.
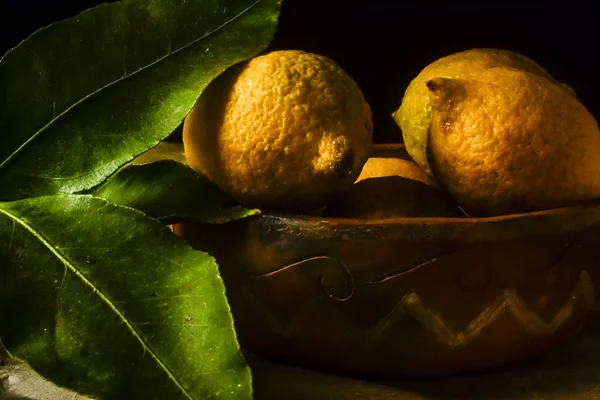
point(392, 188)
point(414, 114)
point(504, 141)
point(377, 167)
point(284, 131)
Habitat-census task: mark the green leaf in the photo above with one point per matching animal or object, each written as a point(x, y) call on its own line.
point(83, 96)
point(101, 299)
point(169, 191)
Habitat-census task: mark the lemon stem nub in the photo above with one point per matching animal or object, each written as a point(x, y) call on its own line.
point(444, 91)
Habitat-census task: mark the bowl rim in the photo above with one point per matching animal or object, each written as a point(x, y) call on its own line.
point(564, 219)
point(557, 211)
point(559, 220)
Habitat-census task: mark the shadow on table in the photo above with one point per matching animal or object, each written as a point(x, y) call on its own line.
point(569, 372)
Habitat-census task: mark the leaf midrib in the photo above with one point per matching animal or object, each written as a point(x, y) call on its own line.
point(83, 99)
point(97, 291)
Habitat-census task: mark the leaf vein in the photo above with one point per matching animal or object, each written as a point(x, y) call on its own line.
point(58, 178)
point(12, 235)
point(68, 264)
point(60, 286)
point(84, 248)
point(171, 324)
point(110, 84)
point(157, 298)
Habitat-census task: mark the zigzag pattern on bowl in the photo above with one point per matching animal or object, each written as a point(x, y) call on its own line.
point(412, 305)
point(510, 301)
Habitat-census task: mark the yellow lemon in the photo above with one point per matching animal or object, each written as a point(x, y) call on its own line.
point(285, 130)
point(414, 114)
point(389, 166)
point(389, 188)
point(504, 140)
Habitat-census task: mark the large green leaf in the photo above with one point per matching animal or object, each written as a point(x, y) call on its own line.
point(81, 97)
point(102, 299)
point(169, 191)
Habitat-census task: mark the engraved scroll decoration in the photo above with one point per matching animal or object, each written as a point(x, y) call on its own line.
point(412, 305)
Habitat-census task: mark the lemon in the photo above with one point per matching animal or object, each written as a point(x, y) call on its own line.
point(391, 188)
point(414, 114)
point(389, 166)
point(285, 130)
point(504, 140)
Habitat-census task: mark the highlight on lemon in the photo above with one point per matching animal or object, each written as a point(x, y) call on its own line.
point(286, 130)
point(414, 114)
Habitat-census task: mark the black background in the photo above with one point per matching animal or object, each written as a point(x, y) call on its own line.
point(383, 45)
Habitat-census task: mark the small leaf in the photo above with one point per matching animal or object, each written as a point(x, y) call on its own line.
point(103, 300)
point(83, 96)
point(163, 151)
point(170, 191)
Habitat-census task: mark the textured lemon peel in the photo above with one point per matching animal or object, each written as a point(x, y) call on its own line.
point(414, 114)
point(286, 130)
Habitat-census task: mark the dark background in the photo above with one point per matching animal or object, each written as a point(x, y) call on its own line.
point(383, 45)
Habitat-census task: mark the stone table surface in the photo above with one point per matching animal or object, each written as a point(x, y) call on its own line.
point(571, 371)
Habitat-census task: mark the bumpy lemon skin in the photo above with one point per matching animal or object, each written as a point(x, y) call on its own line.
point(285, 130)
point(414, 114)
point(505, 141)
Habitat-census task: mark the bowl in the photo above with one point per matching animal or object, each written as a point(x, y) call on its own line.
point(406, 295)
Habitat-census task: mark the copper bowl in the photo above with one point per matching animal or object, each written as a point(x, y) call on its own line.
point(406, 295)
